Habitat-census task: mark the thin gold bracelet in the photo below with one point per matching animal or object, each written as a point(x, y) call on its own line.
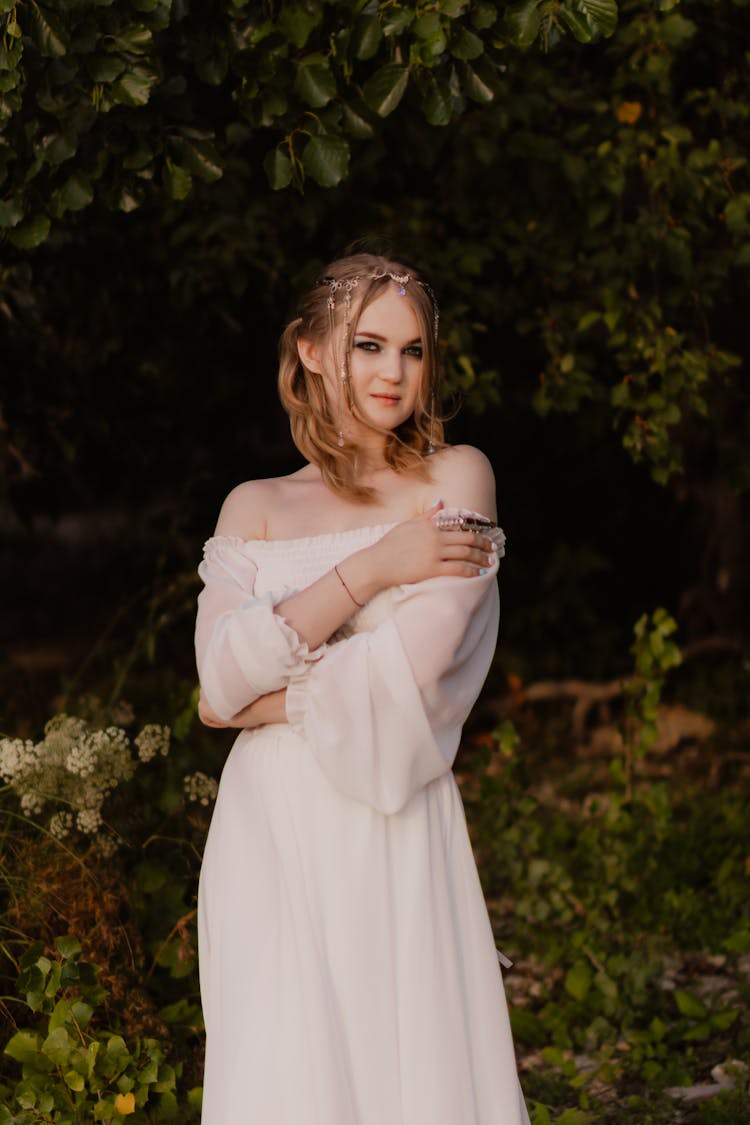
point(351, 595)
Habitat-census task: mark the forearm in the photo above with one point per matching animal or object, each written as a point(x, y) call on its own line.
point(270, 708)
point(323, 607)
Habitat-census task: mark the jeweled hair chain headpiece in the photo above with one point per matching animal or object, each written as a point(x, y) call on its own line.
point(348, 285)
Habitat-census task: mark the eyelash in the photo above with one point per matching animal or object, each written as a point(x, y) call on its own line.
point(415, 350)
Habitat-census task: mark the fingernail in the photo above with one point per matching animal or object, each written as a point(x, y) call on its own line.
point(436, 502)
point(482, 571)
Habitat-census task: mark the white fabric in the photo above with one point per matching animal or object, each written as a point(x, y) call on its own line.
point(348, 969)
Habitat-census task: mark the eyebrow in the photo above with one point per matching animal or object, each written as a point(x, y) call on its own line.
point(383, 339)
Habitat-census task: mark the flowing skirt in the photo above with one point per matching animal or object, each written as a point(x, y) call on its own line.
point(348, 970)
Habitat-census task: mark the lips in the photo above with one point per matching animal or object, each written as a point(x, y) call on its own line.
point(387, 398)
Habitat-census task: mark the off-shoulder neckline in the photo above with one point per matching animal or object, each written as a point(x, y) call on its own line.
point(238, 541)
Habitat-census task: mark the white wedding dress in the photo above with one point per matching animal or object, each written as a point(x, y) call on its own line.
point(348, 970)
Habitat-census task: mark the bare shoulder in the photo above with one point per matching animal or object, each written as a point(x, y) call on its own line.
point(245, 510)
point(464, 479)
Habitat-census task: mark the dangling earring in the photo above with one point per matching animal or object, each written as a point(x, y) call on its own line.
point(431, 446)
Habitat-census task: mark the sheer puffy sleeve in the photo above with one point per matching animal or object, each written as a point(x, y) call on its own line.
point(383, 710)
point(243, 648)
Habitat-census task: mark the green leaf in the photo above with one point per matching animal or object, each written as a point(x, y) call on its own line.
point(59, 1014)
point(737, 211)
point(355, 124)
point(466, 45)
point(326, 159)
point(76, 193)
point(366, 36)
point(105, 68)
point(699, 1031)
point(81, 1012)
point(577, 23)
point(523, 21)
point(133, 40)
point(690, 1005)
point(724, 1020)
point(474, 86)
point(57, 1046)
point(199, 157)
point(601, 13)
point(134, 87)
point(437, 102)
point(31, 233)
point(23, 1046)
point(385, 88)
point(427, 25)
point(738, 942)
point(74, 1080)
point(177, 180)
point(396, 21)
point(578, 980)
point(676, 30)
point(11, 212)
point(297, 22)
point(278, 168)
point(483, 15)
point(48, 33)
point(315, 83)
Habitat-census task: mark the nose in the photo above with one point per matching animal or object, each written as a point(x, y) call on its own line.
point(393, 367)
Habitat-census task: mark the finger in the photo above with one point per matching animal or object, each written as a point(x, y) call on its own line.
point(470, 538)
point(468, 554)
point(456, 569)
point(434, 507)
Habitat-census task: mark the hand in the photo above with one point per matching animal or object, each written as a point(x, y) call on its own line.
point(418, 549)
point(269, 708)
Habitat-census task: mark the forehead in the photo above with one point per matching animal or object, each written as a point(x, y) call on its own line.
point(390, 314)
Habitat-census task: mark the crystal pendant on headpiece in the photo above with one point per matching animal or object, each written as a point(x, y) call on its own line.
point(340, 442)
point(401, 291)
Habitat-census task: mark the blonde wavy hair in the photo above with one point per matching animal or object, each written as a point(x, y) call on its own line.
point(313, 420)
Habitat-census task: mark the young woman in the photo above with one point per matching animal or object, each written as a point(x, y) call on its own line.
point(348, 970)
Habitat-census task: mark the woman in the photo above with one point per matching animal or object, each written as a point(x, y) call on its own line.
point(348, 619)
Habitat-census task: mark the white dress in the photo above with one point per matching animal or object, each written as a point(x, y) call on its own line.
point(348, 970)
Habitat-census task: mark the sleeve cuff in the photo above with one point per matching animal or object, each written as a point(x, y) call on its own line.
point(296, 700)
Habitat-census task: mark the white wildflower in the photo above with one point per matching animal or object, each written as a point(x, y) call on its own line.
point(200, 787)
point(152, 740)
point(88, 821)
point(106, 844)
point(82, 759)
point(61, 824)
point(77, 765)
point(32, 803)
point(17, 756)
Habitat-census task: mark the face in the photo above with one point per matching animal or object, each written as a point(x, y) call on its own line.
point(385, 366)
point(386, 363)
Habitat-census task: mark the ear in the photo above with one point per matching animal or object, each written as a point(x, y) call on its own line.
point(309, 354)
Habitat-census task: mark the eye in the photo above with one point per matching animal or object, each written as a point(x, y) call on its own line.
point(367, 345)
point(414, 350)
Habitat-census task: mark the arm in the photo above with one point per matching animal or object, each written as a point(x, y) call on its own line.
point(383, 711)
point(412, 552)
point(269, 708)
point(248, 647)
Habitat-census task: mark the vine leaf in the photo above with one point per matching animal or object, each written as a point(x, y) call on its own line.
point(601, 13)
point(326, 159)
point(385, 88)
point(523, 21)
point(278, 168)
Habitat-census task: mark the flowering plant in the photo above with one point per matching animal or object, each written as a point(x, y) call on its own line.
point(76, 765)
